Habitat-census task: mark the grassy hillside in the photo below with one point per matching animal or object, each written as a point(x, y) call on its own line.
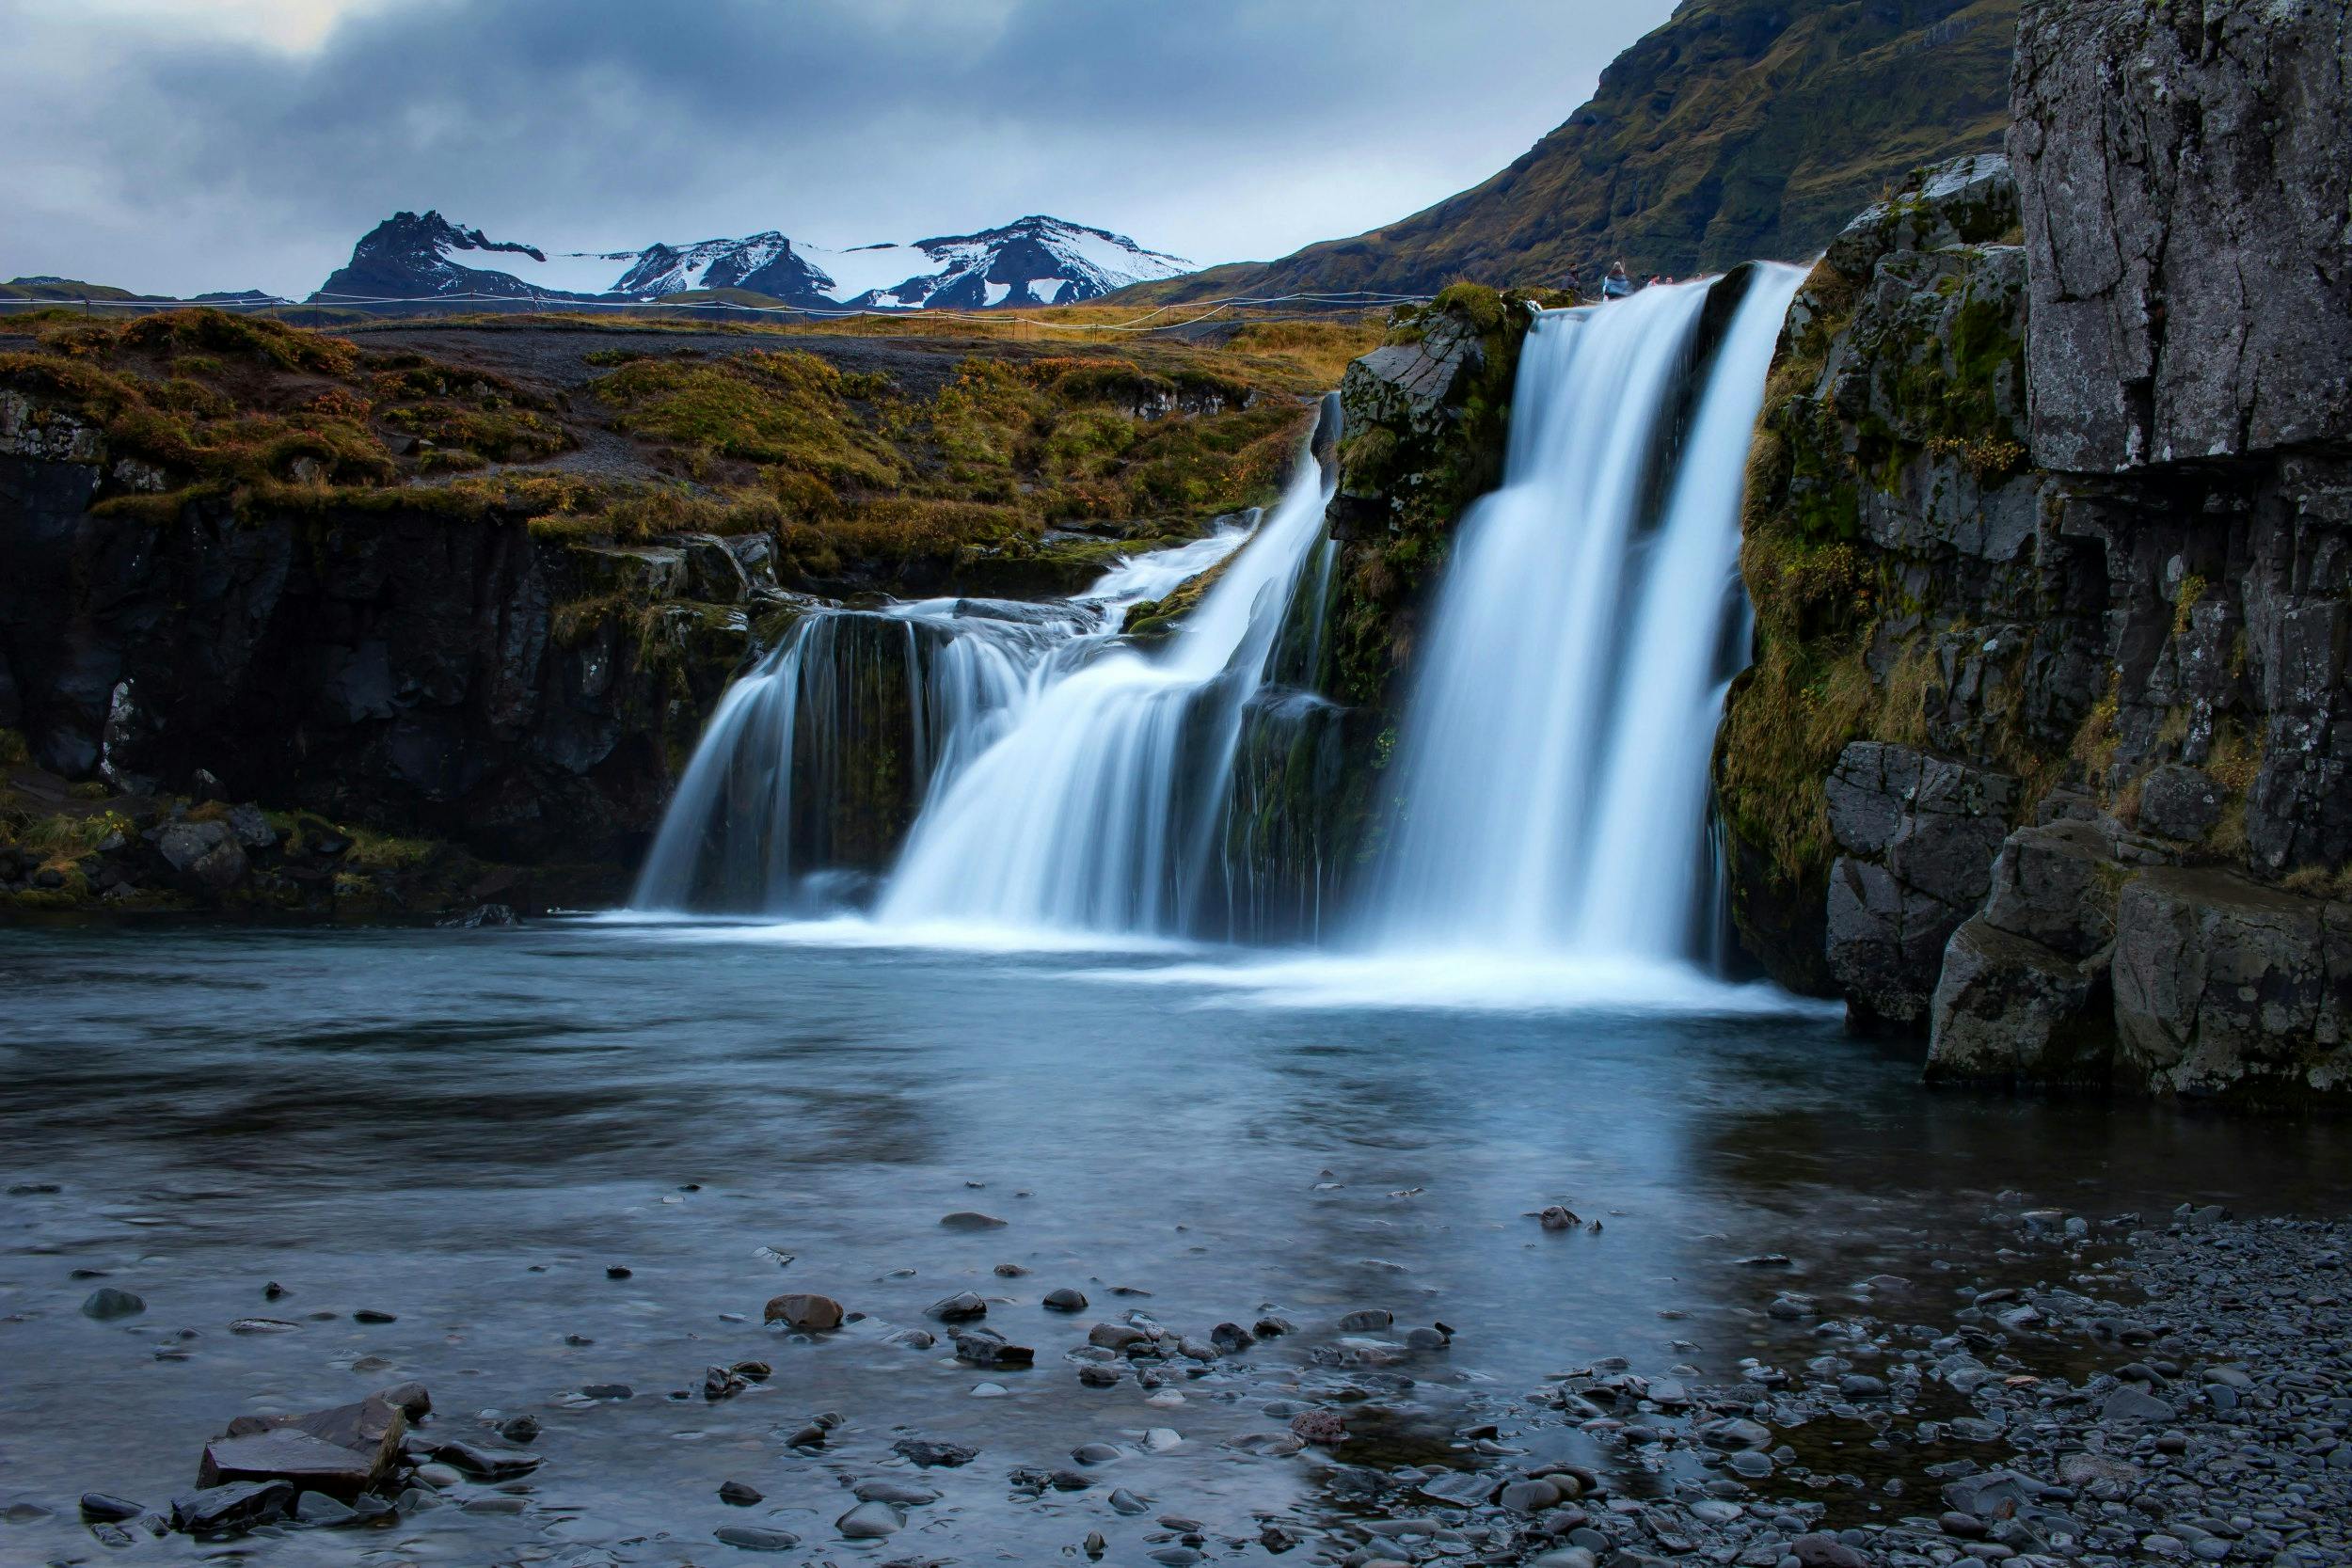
point(1739, 129)
point(60, 291)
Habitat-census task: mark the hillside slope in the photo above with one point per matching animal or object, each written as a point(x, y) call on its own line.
point(1742, 128)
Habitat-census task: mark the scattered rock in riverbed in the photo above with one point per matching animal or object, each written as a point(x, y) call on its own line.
point(105, 1304)
point(1063, 1299)
point(409, 1399)
point(963, 1305)
point(756, 1538)
point(1324, 1428)
point(871, 1521)
point(971, 1219)
point(927, 1453)
point(485, 1463)
point(811, 1314)
point(736, 1494)
point(342, 1451)
point(984, 1347)
point(225, 1510)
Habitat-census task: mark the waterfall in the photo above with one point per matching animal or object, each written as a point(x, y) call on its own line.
point(1101, 808)
point(1550, 793)
point(1547, 795)
point(819, 760)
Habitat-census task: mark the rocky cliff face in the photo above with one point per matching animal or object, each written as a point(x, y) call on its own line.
point(460, 678)
point(2044, 751)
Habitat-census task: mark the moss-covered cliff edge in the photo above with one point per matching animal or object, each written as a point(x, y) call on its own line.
point(2043, 753)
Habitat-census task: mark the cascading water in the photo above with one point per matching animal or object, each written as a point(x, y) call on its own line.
point(1100, 809)
point(1551, 793)
point(818, 760)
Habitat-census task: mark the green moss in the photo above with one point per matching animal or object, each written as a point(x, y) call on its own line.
point(1417, 482)
point(761, 407)
point(2192, 593)
point(1475, 303)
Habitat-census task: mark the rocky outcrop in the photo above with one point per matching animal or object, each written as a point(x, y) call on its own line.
point(2075, 513)
point(2225, 988)
point(2187, 182)
point(2022, 993)
point(462, 677)
point(1919, 834)
point(2009, 1009)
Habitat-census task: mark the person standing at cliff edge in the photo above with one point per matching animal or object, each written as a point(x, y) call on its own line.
point(1616, 285)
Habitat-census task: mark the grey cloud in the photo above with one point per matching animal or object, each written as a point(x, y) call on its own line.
point(1216, 128)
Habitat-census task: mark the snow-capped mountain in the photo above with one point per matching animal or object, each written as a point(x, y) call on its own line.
point(1035, 261)
point(763, 263)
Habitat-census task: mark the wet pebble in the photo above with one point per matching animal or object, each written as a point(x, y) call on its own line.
point(871, 1521)
point(756, 1538)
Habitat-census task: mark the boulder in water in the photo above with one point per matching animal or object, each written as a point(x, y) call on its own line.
point(106, 1304)
point(805, 1311)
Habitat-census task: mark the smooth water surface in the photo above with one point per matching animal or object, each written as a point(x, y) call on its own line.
point(466, 1129)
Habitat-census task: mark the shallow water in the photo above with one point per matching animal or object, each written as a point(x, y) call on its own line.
point(465, 1129)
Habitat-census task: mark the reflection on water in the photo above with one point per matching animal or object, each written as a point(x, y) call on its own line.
point(466, 1129)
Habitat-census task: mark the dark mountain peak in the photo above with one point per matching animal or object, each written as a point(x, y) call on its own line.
point(408, 233)
point(412, 256)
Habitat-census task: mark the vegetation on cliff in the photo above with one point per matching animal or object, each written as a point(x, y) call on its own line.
point(855, 476)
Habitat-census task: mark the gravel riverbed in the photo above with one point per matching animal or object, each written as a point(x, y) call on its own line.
point(2175, 1391)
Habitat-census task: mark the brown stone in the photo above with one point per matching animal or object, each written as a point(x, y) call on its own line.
point(801, 1310)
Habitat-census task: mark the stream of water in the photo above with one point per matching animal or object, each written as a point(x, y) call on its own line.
point(467, 1130)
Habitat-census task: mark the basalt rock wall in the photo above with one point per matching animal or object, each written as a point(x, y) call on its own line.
point(2050, 536)
point(464, 679)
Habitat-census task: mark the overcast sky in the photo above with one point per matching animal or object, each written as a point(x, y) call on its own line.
point(177, 146)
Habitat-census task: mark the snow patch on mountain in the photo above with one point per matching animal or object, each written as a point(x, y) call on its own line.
point(1035, 261)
